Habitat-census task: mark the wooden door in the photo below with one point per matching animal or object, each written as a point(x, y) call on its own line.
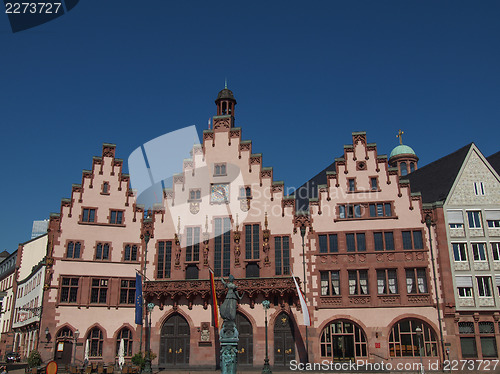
point(245, 345)
point(284, 341)
point(174, 342)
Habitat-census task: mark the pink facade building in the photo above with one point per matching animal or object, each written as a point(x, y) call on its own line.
point(361, 251)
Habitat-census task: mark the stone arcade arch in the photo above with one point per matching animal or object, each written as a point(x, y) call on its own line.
point(174, 342)
point(343, 340)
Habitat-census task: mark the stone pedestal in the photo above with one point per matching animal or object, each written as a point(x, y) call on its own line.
point(229, 348)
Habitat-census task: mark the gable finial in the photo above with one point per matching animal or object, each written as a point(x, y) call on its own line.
point(225, 83)
point(400, 136)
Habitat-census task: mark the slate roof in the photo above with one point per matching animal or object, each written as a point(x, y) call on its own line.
point(434, 180)
point(494, 161)
point(310, 189)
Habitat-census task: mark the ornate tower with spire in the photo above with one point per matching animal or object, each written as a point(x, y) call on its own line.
point(225, 103)
point(403, 157)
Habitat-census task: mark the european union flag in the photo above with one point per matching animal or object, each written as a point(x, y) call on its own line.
point(138, 299)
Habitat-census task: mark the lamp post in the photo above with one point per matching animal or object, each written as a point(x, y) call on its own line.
point(147, 360)
point(146, 236)
point(47, 334)
point(76, 335)
point(303, 234)
point(418, 330)
point(266, 369)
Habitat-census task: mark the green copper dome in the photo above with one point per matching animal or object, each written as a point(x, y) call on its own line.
point(402, 150)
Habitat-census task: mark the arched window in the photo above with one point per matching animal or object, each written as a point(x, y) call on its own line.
point(402, 167)
point(65, 332)
point(412, 167)
point(404, 339)
point(126, 335)
point(343, 340)
point(95, 342)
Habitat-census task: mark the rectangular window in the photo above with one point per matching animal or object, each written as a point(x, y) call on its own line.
point(465, 291)
point(220, 169)
point(193, 244)
point(127, 292)
point(379, 241)
point(416, 243)
point(389, 240)
point(487, 339)
point(102, 251)
point(328, 243)
point(164, 259)
point(373, 210)
point(467, 339)
point(495, 249)
point(460, 251)
point(116, 217)
point(474, 218)
point(282, 254)
point(387, 210)
point(383, 240)
point(494, 223)
point(350, 242)
point(479, 188)
point(387, 281)
point(374, 184)
point(252, 241)
point(479, 251)
point(130, 252)
point(195, 194)
point(330, 283)
point(416, 281)
point(358, 282)
point(245, 192)
point(99, 291)
point(361, 242)
point(407, 244)
point(88, 215)
point(69, 290)
point(484, 286)
point(350, 211)
point(222, 252)
point(73, 249)
point(351, 185)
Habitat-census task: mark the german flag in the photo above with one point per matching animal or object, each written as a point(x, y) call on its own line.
point(215, 307)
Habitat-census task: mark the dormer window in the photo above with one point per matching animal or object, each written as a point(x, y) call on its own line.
point(245, 192)
point(220, 170)
point(195, 194)
point(105, 188)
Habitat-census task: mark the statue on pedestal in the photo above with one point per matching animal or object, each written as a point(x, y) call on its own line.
point(229, 333)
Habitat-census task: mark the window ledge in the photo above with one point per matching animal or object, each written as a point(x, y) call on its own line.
point(101, 224)
point(363, 218)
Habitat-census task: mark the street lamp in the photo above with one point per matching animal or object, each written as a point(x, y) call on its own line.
point(303, 234)
point(147, 360)
point(418, 330)
point(75, 335)
point(266, 369)
point(47, 334)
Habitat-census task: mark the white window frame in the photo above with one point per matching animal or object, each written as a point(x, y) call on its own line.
point(474, 221)
point(466, 252)
point(493, 250)
point(484, 251)
point(466, 296)
point(482, 279)
point(479, 188)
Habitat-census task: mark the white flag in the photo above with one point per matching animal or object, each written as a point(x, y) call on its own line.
point(303, 305)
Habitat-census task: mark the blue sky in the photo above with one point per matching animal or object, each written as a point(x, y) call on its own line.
point(305, 75)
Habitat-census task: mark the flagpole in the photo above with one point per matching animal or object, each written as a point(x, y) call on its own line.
point(303, 234)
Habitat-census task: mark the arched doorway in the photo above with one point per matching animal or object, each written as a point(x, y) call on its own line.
point(343, 340)
point(63, 352)
point(245, 345)
point(284, 340)
point(174, 342)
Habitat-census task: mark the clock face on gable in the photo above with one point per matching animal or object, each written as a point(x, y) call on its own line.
point(219, 193)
